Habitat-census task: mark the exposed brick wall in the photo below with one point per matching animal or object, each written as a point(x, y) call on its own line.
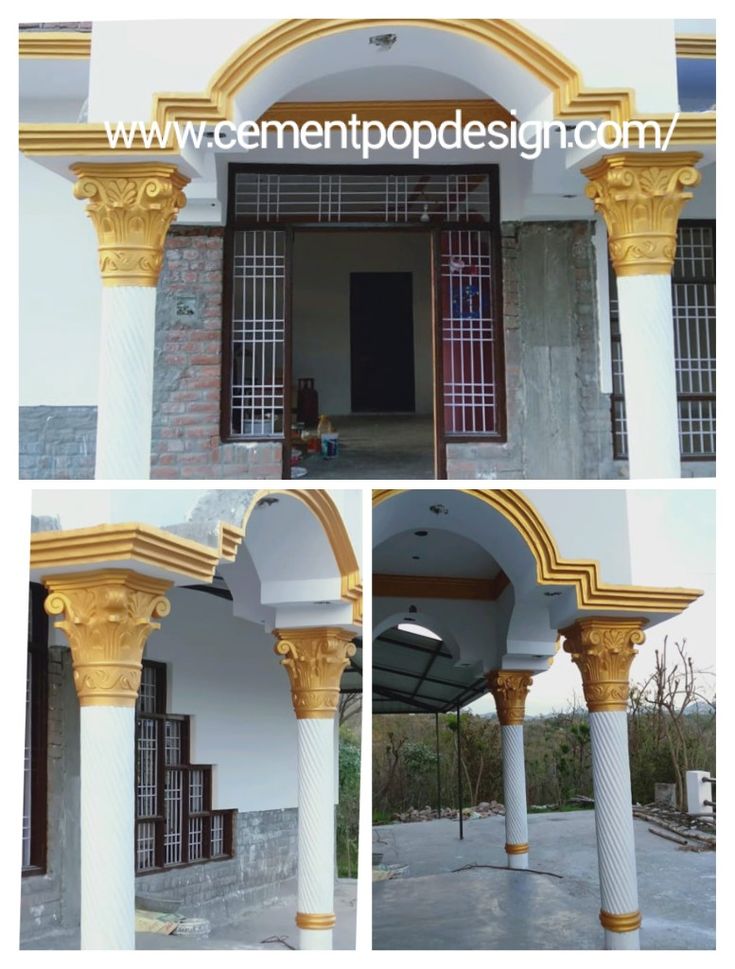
point(188, 364)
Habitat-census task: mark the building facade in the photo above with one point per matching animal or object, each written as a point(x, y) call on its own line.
point(524, 316)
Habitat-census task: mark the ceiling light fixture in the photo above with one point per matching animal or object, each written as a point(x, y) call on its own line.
point(383, 42)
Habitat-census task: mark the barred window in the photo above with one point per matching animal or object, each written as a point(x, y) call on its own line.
point(693, 296)
point(36, 726)
point(175, 823)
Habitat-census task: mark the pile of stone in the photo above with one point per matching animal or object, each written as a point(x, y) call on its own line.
point(482, 810)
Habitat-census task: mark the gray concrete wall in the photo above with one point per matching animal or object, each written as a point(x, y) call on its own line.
point(322, 263)
point(558, 420)
point(57, 442)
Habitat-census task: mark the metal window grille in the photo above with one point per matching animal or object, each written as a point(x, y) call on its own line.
point(694, 310)
point(258, 334)
point(392, 199)
point(175, 824)
point(468, 333)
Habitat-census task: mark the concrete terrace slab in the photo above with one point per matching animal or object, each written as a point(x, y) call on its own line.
point(433, 907)
point(247, 932)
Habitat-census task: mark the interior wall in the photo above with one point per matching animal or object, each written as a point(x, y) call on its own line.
point(322, 263)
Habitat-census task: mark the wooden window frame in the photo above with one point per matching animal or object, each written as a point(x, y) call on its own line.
point(38, 658)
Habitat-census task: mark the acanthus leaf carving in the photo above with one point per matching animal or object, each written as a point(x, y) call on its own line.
point(315, 660)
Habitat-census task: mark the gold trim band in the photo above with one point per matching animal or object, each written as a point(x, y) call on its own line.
point(516, 849)
point(310, 920)
point(55, 45)
point(620, 923)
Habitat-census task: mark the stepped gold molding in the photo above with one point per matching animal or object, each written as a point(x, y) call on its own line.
point(640, 197)
point(108, 616)
point(315, 660)
point(510, 689)
point(133, 542)
point(322, 506)
point(620, 923)
point(308, 920)
point(603, 649)
point(699, 46)
point(552, 569)
point(572, 99)
point(55, 45)
point(131, 206)
point(511, 849)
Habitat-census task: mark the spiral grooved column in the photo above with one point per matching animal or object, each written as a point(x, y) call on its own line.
point(315, 660)
point(107, 746)
point(107, 619)
point(132, 207)
point(603, 649)
point(510, 688)
point(640, 196)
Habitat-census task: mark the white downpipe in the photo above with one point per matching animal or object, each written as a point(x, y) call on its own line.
point(125, 389)
point(614, 822)
point(107, 749)
point(316, 827)
point(647, 338)
point(514, 790)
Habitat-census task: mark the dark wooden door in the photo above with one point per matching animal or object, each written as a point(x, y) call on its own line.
point(381, 342)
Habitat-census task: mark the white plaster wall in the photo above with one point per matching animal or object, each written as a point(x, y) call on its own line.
point(223, 672)
point(59, 290)
point(321, 307)
point(589, 524)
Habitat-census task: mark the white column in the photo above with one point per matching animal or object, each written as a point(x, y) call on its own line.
point(316, 870)
point(125, 389)
point(514, 789)
point(614, 825)
point(107, 749)
point(649, 364)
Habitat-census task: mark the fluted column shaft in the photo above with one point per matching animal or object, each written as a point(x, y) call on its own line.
point(315, 660)
point(108, 615)
point(132, 207)
point(640, 195)
point(510, 688)
point(603, 649)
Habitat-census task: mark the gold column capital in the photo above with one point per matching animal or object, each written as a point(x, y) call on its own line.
point(603, 649)
point(108, 617)
point(640, 195)
point(132, 206)
point(510, 689)
point(315, 660)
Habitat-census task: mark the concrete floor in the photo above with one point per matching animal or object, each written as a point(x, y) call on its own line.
point(379, 446)
point(247, 932)
point(433, 908)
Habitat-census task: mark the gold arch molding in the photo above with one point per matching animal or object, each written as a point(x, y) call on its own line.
point(553, 569)
point(572, 99)
point(323, 508)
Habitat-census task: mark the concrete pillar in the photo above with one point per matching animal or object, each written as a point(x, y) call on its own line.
point(640, 196)
point(132, 206)
point(107, 620)
point(315, 660)
point(603, 649)
point(510, 688)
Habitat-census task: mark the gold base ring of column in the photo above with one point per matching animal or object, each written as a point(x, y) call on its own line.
point(308, 920)
point(620, 923)
point(516, 849)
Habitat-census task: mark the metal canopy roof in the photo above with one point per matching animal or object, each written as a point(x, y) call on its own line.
point(415, 674)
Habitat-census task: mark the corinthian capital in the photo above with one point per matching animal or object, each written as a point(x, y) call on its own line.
point(131, 206)
point(603, 649)
point(108, 616)
point(640, 195)
point(510, 689)
point(315, 660)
